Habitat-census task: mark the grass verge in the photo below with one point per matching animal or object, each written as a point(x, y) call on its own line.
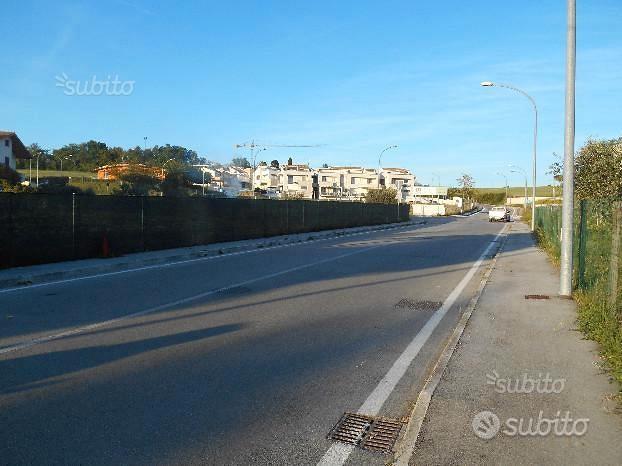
point(595, 318)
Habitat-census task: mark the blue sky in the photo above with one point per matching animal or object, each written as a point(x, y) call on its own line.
point(351, 76)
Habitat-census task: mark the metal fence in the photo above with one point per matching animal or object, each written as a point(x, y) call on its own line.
point(42, 228)
point(597, 240)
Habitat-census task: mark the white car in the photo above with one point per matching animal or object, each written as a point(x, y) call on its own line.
point(499, 214)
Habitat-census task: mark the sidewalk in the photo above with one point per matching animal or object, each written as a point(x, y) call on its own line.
point(535, 341)
point(20, 276)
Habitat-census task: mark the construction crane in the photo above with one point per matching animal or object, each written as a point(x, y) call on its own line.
point(253, 146)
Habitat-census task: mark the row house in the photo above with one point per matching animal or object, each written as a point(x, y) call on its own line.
point(349, 183)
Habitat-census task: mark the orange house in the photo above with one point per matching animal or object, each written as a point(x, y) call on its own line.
point(114, 171)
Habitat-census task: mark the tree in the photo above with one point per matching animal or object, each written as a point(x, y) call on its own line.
point(274, 164)
point(324, 165)
point(241, 162)
point(598, 169)
point(137, 183)
point(290, 161)
point(465, 185)
point(556, 169)
point(381, 196)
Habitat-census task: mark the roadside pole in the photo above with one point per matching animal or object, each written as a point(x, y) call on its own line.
point(565, 286)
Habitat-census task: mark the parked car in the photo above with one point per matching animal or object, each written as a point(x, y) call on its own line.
point(499, 214)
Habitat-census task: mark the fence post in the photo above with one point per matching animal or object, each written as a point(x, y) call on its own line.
point(582, 243)
point(286, 217)
point(73, 225)
point(142, 221)
point(613, 259)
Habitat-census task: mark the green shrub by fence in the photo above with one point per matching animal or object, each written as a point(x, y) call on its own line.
point(596, 269)
point(41, 228)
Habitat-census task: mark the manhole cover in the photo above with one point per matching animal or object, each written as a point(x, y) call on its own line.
point(537, 296)
point(368, 432)
point(415, 305)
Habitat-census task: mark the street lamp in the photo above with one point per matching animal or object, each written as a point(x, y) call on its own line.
point(565, 278)
point(506, 186)
point(254, 158)
point(438, 186)
point(61, 161)
point(535, 141)
point(520, 170)
point(380, 159)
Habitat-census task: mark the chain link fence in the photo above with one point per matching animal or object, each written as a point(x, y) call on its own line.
point(42, 228)
point(596, 264)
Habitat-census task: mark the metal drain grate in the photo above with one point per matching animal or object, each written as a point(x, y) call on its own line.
point(371, 433)
point(537, 296)
point(414, 305)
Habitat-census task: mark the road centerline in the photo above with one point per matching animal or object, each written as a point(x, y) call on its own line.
point(71, 332)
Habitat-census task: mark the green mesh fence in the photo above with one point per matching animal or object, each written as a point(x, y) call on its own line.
point(596, 229)
point(42, 228)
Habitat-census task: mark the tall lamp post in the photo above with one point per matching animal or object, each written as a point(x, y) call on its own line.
point(380, 160)
point(438, 186)
point(516, 169)
point(506, 186)
point(535, 141)
point(565, 286)
point(61, 161)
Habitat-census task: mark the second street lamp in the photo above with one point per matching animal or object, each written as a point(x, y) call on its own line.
point(380, 160)
point(535, 142)
point(520, 170)
point(506, 186)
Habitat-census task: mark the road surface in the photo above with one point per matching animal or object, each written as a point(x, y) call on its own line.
point(245, 358)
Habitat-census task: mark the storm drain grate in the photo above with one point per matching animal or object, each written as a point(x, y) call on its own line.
point(371, 433)
point(415, 305)
point(537, 296)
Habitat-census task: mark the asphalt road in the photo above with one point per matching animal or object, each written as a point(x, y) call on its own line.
point(240, 359)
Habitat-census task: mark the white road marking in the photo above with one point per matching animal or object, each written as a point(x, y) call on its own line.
point(405, 447)
point(200, 259)
point(338, 453)
point(56, 336)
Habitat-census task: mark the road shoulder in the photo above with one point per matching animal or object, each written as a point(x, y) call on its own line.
point(522, 360)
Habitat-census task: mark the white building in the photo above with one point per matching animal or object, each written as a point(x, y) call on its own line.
point(400, 179)
point(296, 180)
point(346, 183)
point(11, 149)
point(429, 194)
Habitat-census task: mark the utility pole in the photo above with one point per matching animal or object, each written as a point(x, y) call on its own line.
point(565, 285)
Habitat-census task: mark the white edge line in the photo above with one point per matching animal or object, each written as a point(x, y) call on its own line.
point(405, 447)
point(44, 339)
point(200, 259)
point(338, 453)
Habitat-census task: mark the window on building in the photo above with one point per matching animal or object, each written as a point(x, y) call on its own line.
point(323, 189)
point(324, 178)
point(352, 180)
point(6, 162)
point(290, 179)
point(6, 143)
